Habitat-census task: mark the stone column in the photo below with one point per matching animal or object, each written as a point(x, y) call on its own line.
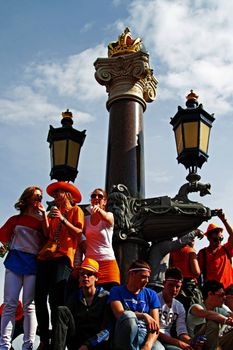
point(130, 84)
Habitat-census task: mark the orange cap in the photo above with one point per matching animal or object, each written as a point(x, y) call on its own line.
point(212, 227)
point(90, 265)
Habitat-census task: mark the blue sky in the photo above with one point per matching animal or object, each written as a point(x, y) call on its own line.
point(47, 50)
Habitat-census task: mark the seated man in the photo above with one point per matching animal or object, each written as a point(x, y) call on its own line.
point(172, 314)
point(135, 308)
point(209, 317)
point(86, 320)
point(229, 297)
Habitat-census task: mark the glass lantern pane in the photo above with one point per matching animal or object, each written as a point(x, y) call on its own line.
point(73, 154)
point(204, 137)
point(191, 135)
point(179, 140)
point(59, 152)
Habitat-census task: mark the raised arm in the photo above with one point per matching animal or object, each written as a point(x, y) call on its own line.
point(45, 221)
point(194, 265)
point(103, 215)
point(75, 228)
point(229, 228)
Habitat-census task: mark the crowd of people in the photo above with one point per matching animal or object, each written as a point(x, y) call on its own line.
point(63, 265)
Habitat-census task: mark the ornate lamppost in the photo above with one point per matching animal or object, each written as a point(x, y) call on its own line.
point(65, 144)
point(139, 222)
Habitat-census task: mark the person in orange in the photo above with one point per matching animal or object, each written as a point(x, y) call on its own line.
point(99, 232)
point(215, 260)
point(185, 259)
point(66, 222)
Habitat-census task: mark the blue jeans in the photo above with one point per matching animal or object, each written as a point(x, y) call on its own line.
point(127, 334)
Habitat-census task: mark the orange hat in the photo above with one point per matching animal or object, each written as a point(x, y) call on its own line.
point(66, 187)
point(90, 265)
point(212, 227)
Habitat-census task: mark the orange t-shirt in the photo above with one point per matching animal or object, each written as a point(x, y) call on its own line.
point(180, 259)
point(218, 265)
point(67, 242)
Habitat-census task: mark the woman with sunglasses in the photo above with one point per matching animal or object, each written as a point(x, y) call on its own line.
point(66, 221)
point(99, 232)
point(24, 234)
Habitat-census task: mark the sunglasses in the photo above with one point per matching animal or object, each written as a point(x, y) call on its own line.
point(217, 239)
point(85, 273)
point(97, 195)
point(38, 197)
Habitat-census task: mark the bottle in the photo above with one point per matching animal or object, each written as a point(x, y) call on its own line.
point(198, 342)
point(4, 249)
point(51, 211)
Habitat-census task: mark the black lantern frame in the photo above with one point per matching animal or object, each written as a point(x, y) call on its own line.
point(65, 145)
point(192, 132)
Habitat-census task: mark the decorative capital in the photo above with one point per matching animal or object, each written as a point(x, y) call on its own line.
point(127, 77)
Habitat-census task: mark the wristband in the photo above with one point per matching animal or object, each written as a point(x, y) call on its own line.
point(63, 221)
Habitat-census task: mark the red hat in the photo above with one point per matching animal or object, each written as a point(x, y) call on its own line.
point(66, 187)
point(90, 265)
point(212, 227)
point(19, 311)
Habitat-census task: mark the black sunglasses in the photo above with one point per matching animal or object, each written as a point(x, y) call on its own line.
point(38, 197)
point(217, 239)
point(97, 195)
point(85, 273)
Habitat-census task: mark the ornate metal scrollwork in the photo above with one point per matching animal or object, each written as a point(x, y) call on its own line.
point(155, 219)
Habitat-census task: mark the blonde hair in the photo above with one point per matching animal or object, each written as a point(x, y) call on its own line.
point(70, 198)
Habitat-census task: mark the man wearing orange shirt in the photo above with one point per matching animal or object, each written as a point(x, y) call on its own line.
point(215, 260)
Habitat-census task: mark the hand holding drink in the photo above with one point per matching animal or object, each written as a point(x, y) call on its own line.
point(52, 212)
point(4, 250)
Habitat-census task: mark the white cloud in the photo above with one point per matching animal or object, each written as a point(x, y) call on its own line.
point(191, 47)
point(88, 26)
point(28, 106)
point(47, 86)
point(73, 77)
point(25, 105)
